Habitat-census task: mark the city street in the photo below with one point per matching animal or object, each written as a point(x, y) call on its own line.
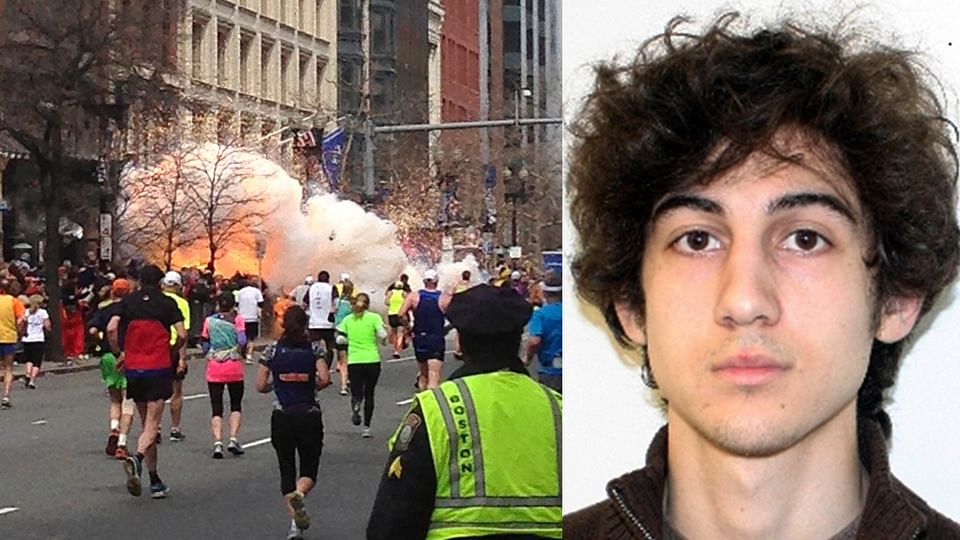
point(57, 483)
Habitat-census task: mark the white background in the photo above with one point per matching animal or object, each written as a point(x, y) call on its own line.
point(608, 419)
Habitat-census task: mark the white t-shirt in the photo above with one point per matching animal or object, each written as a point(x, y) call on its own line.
point(321, 298)
point(35, 326)
point(248, 303)
point(299, 292)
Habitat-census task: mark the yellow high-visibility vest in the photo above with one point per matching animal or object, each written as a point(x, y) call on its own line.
point(496, 445)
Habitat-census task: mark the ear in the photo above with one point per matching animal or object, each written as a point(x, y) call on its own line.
point(631, 322)
point(898, 318)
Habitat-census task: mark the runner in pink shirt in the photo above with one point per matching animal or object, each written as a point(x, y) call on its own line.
point(222, 338)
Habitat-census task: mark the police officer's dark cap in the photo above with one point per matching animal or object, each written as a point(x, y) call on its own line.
point(486, 310)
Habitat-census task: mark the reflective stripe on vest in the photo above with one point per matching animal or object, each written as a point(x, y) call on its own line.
point(501, 475)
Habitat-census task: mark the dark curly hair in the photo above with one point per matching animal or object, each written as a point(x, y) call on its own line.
point(690, 107)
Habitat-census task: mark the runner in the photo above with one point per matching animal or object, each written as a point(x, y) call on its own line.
point(145, 318)
point(38, 325)
point(321, 305)
point(344, 308)
point(344, 279)
point(249, 300)
point(121, 408)
point(428, 335)
point(393, 299)
point(299, 294)
point(11, 320)
point(362, 330)
point(294, 369)
point(172, 287)
point(222, 338)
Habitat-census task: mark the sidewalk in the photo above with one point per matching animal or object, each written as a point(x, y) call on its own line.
point(93, 363)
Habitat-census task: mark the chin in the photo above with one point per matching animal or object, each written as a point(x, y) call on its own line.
point(755, 439)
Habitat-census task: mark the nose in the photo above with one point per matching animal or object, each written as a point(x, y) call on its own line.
point(748, 287)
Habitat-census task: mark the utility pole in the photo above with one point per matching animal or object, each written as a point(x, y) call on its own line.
point(368, 168)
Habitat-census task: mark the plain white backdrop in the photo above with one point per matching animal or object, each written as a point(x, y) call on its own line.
point(608, 418)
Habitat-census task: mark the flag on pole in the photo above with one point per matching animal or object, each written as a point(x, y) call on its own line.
point(307, 138)
point(333, 157)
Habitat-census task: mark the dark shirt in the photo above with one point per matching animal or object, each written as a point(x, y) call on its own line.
point(403, 505)
point(427, 317)
point(99, 320)
point(634, 510)
point(146, 316)
point(294, 370)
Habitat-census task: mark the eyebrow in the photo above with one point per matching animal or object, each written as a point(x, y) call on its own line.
point(786, 202)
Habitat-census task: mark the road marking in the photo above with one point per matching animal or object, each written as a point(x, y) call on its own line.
point(39, 422)
point(405, 402)
point(406, 358)
point(187, 398)
point(8, 509)
point(256, 443)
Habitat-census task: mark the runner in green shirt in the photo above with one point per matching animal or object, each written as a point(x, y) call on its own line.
point(362, 331)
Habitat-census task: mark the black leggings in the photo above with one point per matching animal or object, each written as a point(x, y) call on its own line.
point(216, 396)
point(292, 434)
point(363, 379)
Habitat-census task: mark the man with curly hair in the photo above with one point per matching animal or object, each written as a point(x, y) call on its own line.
point(763, 218)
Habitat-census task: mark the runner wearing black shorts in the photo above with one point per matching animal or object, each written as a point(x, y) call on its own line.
point(145, 318)
point(429, 341)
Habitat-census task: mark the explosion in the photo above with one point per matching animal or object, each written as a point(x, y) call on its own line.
point(259, 200)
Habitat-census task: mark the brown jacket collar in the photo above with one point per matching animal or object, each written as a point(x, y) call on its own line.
point(635, 506)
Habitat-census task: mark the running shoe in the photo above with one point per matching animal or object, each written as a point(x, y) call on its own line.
point(396, 355)
point(355, 417)
point(32, 385)
point(235, 448)
point(5, 403)
point(300, 517)
point(294, 533)
point(134, 470)
point(112, 440)
point(121, 453)
point(367, 434)
point(176, 435)
point(343, 392)
point(218, 450)
point(159, 438)
point(26, 382)
point(159, 490)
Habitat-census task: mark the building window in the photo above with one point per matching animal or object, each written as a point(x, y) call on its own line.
point(225, 134)
point(267, 68)
point(223, 49)
point(304, 86)
point(348, 14)
point(199, 26)
point(286, 57)
point(246, 62)
point(381, 24)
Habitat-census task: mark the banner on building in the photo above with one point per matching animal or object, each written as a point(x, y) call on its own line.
point(333, 157)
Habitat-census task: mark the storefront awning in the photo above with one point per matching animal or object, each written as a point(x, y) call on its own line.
point(11, 149)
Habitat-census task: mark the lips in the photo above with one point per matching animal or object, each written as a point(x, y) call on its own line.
point(750, 370)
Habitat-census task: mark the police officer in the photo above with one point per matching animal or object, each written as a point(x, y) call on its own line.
point(480, 454)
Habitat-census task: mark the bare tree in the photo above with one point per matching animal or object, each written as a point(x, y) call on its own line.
point(228, 204)
point(65, 64)
point(157, 214)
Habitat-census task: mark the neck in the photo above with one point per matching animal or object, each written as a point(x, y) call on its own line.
point(813, 489)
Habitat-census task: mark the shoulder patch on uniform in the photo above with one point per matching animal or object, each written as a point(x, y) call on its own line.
point(410, 425)
point(396, 468)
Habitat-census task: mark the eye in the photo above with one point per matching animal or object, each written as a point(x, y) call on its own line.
point(806, 241)
point(696, 242)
